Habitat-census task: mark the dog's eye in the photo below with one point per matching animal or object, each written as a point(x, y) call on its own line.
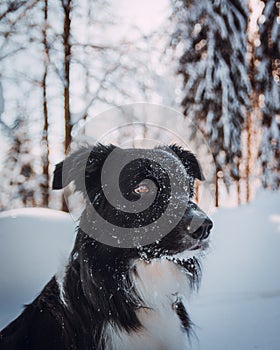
point(142, 188)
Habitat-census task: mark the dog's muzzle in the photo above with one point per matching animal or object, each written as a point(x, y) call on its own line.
point(198, 225)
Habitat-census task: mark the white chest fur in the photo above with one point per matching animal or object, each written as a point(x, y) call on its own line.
point(160, 284)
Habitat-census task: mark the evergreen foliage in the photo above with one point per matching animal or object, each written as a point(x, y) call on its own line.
point(213, 63)
point(267, 84)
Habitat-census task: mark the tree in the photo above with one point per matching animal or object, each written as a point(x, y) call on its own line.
point(267, 84)
point(45, 133)
point(20, 173)
point(216, 87)
point(59, 64)
point(67, 7)
point(20, 169)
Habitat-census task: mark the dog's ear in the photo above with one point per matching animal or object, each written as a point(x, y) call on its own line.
point(71, 169)
point(189, 160)
point(57, 177)
point(79, 164)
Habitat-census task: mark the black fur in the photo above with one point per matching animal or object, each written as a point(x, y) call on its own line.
point(98, 289)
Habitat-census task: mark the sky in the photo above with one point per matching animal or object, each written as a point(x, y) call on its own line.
point(145, 14)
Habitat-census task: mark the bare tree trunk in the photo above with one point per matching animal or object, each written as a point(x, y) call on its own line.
point(239, 183)
point(45, 139)
point(196, 192)
point(248, 168)
point(66, 5)
point(216, 190)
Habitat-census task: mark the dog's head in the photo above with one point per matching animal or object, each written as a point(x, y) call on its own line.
point(138, 236)
point(139, 193)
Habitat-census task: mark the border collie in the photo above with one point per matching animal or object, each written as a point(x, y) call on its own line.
point(132, 295)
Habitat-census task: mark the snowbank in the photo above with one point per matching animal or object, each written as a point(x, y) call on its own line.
point(238, 305)
point(34, 243)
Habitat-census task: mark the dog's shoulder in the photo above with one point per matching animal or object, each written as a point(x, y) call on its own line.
point(38, 326)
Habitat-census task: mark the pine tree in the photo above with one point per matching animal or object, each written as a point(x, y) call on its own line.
point(212, 38)
point(267, 83)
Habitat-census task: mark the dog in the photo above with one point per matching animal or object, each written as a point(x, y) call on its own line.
point(126, 295)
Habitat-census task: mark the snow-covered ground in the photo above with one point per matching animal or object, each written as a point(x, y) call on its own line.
point(238, 305)
point(34, 243)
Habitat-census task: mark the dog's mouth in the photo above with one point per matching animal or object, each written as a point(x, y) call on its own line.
point(196, 249)
point(190, 265)
point(186, 256)
point(188, 259)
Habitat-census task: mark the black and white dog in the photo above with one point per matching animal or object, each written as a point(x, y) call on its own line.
point(114, 297)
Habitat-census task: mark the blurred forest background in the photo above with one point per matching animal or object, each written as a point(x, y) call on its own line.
point(216, 61)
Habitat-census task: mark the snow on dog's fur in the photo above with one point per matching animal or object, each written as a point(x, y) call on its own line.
point(118, 298)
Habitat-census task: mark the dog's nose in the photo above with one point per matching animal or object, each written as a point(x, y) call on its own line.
point(203, 231)
point(199, 224)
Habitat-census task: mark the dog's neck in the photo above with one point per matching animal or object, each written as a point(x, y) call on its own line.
point(95, 290)
point(124, 301)
point(165, 323)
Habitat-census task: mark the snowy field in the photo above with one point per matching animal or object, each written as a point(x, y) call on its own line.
point(238, 305)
